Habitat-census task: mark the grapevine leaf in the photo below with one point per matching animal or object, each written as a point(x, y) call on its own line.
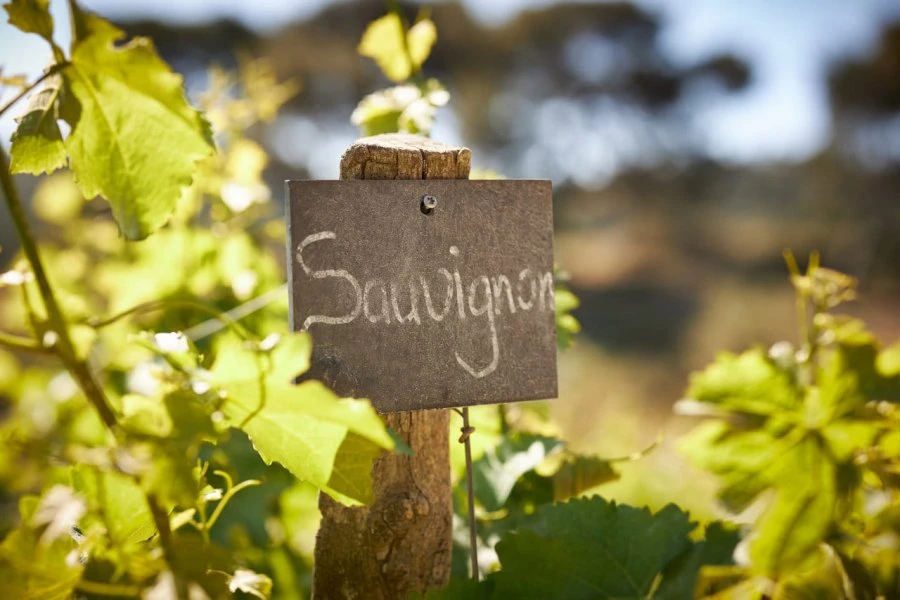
point(590, 548)
point(37, 144)
point(120, 502)
point(398, 59)
point(747, 383)
point(31, 16)
point(799, 517)
point(681, 575)
point(135, 140)
point(318, 437)
point(846, 437)
point(864, 370)
point(170, 434)
point(747, 461)
point(496, 473)
point(579, 473)
point(567, 326)
point(420, 39)
point(351, 476)
point(888, 362)
point(33, 570)
point(287, 358)
point(383, 42)
point(574, 475)
point(405, 108)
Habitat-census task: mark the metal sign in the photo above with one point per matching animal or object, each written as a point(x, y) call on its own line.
point(426, 293)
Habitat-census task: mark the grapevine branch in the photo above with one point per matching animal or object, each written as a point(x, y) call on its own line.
point(15, 342)
point(64, 346)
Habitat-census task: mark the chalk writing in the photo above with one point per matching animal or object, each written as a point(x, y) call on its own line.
point(397, 302)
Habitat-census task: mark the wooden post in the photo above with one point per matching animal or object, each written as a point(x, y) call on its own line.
point(401, 543)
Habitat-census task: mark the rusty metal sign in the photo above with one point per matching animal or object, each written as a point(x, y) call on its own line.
point(428, 293)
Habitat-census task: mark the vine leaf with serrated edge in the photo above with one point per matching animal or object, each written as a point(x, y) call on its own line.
point(134, 141)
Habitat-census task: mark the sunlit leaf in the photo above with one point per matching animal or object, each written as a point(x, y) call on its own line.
point(420, 39)
point(37, 144)
point(801, 513)
point(118, 500)
point(567, 326)
point(749, 382)
point(31, 16)
point(135, 140)
point(318, 437)
point(383, 41)
point(31, 570)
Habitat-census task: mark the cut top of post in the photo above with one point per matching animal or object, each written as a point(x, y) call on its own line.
point(404, 156)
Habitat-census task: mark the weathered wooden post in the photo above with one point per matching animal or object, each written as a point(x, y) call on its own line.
point(422, 293)
point(402, 542)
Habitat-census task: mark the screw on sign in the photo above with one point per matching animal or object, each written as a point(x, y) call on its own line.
point(420, 294)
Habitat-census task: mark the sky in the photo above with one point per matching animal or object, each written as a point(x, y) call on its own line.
point(782, 115)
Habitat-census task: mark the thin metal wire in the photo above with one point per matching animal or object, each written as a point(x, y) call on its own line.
point(211, 326)
point(467, 430)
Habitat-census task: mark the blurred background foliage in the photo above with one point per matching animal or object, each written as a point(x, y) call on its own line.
point(680, 174)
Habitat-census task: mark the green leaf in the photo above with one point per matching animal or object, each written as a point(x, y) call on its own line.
point(37, 144)
point(495, 474)
point(383, 42)
point(567, 326)
point(31, 16)
point(799, 517)
point(845, 437)
point(590, 548)
point(318, 437)
point(859, 369)
point(118, 500)
point(748, 383)
point(170, 434)
point(746, 461)
point(281, 358)
point(33, 570)
point(579, 473)
point(888, 362)
point(135, 140)
point(351, 475)
point(405, 108)
point(680, 577)
point(420, 39)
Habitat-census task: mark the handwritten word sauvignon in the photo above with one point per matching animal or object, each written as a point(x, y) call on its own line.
point(436, 296)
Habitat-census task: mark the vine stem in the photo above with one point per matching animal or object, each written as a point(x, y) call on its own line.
point(15, 342)
point(56, 68)
point(64, 346)
point(161, 520)
point(156, 305)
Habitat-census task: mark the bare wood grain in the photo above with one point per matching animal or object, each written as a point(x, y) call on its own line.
point(401, 543)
